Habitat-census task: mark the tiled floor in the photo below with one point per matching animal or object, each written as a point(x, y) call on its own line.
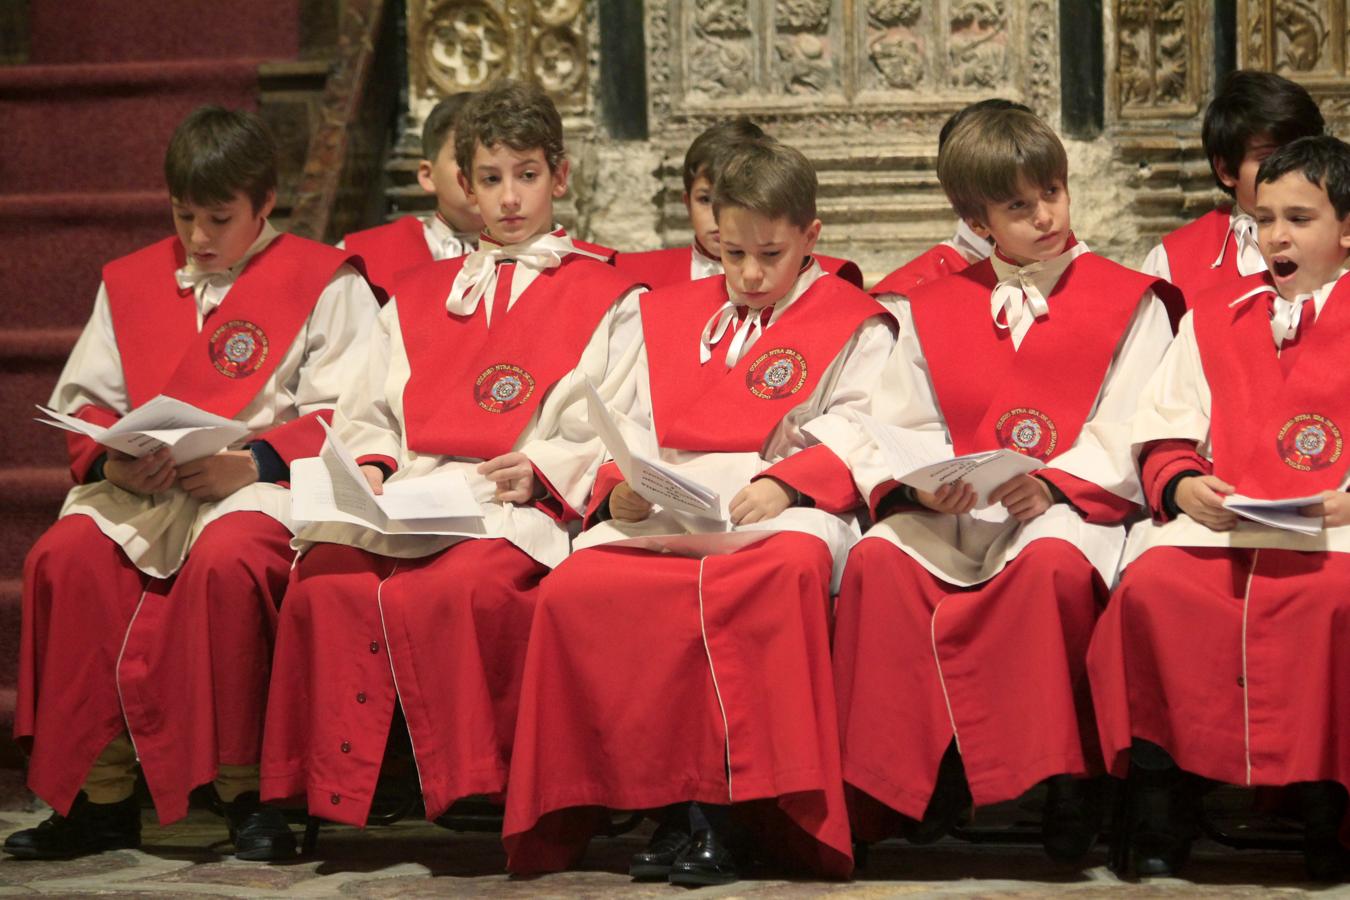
point(416, 859)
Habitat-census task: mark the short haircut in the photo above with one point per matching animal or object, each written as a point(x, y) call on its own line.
point(440, 122)
point(216, 153)
point(715, 142)
point(990, 152)
point(1252, 104)
point(1324, 160)
point(515, 113)
point(769, 178)
point(959, 116)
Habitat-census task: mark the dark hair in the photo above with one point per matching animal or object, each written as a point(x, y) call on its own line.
point(707, 150)
point(515, 113)
point(1324, 160)
point(990, 152)
point(1251, 104)
point(215, 153)
point(440, 122)
point(957, 117)
point(768, 178)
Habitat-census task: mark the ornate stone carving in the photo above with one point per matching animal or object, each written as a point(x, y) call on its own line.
point(802, 15)
point(720, 68)
point(457, 45)
point(1157, 65)
point(806, 61)
point(978, 46)
point(1300, 38)
point(1042, 60)
point(723, 18)
point(896, 48)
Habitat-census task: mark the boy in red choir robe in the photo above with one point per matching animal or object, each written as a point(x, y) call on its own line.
point(959, 251)
point(1252, 115)
point(479, 366)
point(703, 257)
point(396, 247)
point(1222, 653)
point(150, 606)
point(699, 686)
point(961, 633)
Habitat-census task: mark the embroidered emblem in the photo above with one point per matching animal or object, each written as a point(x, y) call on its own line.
point(238, 348)
point(503, 387)
point(1027, 431)
point(779, 373)
point(1309, 442)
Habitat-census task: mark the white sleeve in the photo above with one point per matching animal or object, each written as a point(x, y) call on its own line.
point(1175, 402)
point(365, 420)
point(849, 385)
point(337, 338)
point(564, 447)
point(1157, 264)
point(1101, 453)
point(93, 371)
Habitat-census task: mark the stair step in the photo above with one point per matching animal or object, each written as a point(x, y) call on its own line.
point(95, 127)
point(11, 615)
point(30, 498)
point(88, 230)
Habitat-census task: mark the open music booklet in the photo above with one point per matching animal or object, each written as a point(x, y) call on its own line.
point(331, 488)
point(653, 482)
point(1283, 513)
point(161, 422)
point(924, 460)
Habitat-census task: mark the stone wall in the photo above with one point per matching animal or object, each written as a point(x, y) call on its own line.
point(862, 86)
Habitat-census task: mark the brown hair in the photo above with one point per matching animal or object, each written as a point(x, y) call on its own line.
point(515, 113)
point(216, 153)
point(990, 151)
point(769, 178)
point(440, 122)
point(716, 141)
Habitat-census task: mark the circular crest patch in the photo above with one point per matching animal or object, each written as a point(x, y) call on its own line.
point(1309, 442)
point(238, 348)
point(503, 387)
point(779, 373)
point(1027, 431)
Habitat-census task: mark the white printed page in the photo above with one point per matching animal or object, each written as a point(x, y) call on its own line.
point(192, 433)
point(1282, 513)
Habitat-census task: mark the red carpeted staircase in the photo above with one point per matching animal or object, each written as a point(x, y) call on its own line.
point(83, 127)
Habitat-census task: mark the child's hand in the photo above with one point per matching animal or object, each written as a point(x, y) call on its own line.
point(627, 505)
point(760, 500)
point(954, 497)
point(217, 477)
point(1201, 498)
point(150, 474)
point(1023, 496)
point(513, 474)
point(374, 478)
point(1334, 509)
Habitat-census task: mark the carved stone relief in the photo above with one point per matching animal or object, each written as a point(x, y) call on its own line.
point(1303, 39)
point(463, 45)
point(1158, 66)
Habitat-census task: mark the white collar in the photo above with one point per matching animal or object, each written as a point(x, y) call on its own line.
point(749, 328)
point(969, 244)
point(190, 277)
point(1027, 288)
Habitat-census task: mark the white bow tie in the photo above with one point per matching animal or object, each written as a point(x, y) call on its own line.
point(1286, 315)
point(1014, 295)
point(1249, 258)
point(190, 278)
point(747, 332)
point(479, 274)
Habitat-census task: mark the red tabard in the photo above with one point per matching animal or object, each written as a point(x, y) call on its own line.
point(224, 366)
point(1233, 660)
point(708, 407)
point(1033, 399)
point(653, 679)
point(472, 390)
point(656, 268)
point(844, 268)
point(390, 250)
point(936, 262)
point(1275, 436)
point(1192, 249)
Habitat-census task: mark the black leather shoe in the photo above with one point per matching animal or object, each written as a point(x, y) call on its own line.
point(1323, 806)
point(89, 828)
point(259, 832)
point(666, 845)
point(947, 807)
point(706, 861)
point(1072, 818)
point(1164, 820)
